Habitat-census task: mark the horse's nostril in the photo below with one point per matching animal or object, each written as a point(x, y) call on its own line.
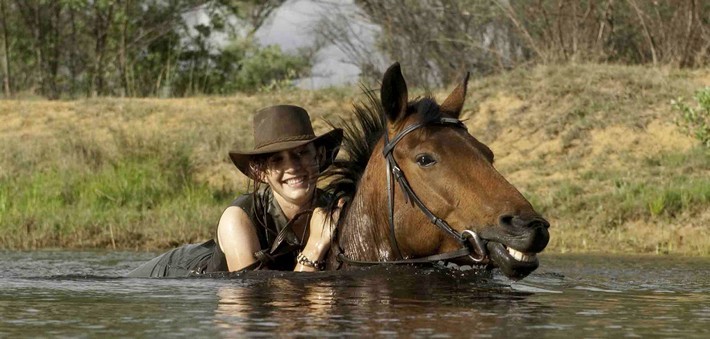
point(538, 222)
point(506, 220)
point(517, 221)
point(534, 223)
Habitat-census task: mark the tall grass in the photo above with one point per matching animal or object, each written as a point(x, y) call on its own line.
point(659, 205)
point(112, 177)
point(149, 174)
point(137, 200)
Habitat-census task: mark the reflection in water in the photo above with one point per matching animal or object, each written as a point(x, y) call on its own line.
point(378, 300)
point(78, 294)
point(278, 306)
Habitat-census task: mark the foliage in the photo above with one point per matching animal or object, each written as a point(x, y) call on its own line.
point(114, 206)
point(79, 48)
point(695, 120)
point(443, 38)
point(243, 66)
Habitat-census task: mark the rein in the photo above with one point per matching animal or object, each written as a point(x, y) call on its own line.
point(467, 238)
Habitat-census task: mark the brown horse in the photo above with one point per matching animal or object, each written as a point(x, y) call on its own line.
point(419, 188)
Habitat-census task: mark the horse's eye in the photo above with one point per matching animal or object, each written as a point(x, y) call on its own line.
point(425, 160)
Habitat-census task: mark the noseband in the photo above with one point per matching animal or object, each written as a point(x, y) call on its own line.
point(467, 239)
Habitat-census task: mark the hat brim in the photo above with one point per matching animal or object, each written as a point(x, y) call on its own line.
point(331, 141)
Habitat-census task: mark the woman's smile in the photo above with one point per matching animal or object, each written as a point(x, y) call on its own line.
point(296, 182)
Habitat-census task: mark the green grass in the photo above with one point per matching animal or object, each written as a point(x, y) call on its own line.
point(667, 193)
point(665, 186)
point(153, 174)
point(143, 194)
point(124, 205)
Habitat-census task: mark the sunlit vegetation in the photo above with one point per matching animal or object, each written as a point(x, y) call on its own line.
point(594, 147)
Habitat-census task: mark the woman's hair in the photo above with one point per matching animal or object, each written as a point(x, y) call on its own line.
point(257, 168)
point(258, 165)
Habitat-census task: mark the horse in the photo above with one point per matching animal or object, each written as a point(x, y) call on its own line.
point(418, 188)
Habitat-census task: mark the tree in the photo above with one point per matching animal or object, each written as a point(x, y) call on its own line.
point(70, 48)
point(6, 51)
point(440, 38)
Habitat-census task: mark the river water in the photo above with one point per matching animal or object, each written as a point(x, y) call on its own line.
point(80, 294)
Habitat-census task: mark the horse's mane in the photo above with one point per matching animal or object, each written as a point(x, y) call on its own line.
point(360, 135)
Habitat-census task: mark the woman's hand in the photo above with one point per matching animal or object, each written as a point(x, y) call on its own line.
point(321, 229)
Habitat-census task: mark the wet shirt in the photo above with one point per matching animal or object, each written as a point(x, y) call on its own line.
point(279, 244)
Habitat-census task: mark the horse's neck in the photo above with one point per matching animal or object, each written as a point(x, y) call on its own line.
point(364, 233)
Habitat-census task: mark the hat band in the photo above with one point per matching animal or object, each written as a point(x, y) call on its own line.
point(286, 139)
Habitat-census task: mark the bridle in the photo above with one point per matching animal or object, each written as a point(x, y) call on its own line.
point(470, 241)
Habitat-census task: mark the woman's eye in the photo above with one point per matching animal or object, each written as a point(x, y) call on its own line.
point(275, 160)
point(425, 160)
point(304, 155)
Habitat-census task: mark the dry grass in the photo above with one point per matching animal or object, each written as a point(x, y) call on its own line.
point(593, 147)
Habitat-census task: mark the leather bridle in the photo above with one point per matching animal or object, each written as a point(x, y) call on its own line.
point(471, 243)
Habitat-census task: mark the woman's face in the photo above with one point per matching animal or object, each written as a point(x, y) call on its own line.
point(293, 173)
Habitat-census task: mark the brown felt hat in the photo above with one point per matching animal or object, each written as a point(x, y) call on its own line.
point(283, 127)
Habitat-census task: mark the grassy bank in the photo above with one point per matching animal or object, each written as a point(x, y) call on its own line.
point(593, 147)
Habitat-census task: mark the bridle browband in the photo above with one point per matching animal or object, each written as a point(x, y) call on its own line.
point(467, 238)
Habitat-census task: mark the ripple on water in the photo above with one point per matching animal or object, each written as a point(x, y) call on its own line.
point(57, 293)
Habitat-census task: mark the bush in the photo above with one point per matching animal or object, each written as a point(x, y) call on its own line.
point(241, 66)
point(695, 121)
point(248, 67)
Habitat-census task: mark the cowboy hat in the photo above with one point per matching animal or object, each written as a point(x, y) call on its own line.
point(284, 127)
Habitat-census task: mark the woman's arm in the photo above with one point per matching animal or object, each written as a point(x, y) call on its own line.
point(237, 238)
point(321, 233)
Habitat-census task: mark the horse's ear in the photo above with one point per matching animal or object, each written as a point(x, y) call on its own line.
point(394, 93)
point(454, 103)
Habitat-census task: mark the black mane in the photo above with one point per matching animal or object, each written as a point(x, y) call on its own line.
point(360, 135)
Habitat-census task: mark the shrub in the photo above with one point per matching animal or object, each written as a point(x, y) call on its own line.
point(695, 121)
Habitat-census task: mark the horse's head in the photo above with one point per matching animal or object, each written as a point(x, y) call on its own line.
point(451, 173)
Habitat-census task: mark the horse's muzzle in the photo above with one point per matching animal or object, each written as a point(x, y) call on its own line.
point(513, 244)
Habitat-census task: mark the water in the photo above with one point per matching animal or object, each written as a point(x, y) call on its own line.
point(79, 294)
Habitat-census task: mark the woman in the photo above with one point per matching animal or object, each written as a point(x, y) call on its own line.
point(280, 225)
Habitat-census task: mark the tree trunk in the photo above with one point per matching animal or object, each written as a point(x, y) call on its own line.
point(685, 59)
point(54, 50)
point(102, 23)
point(7, 88)
point(73, 48)
point(38, 49)
point(647, 32)
point(122, 53)
point(508, 10)
point(608, 15)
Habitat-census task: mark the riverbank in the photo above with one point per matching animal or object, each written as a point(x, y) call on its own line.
point(594, 147)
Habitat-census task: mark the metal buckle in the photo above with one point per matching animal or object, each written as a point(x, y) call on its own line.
point(396, 171)
point(478, 244)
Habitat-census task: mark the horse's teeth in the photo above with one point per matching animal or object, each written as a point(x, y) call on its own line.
point(520, 256)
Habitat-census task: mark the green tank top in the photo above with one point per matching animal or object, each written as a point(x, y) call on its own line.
point(279, 244)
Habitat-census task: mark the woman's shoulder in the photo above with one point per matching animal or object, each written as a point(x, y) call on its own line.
point(243, 200)
point(256, 203)
point(248, 199)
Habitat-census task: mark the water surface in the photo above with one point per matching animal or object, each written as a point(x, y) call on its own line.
point(65, 293)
